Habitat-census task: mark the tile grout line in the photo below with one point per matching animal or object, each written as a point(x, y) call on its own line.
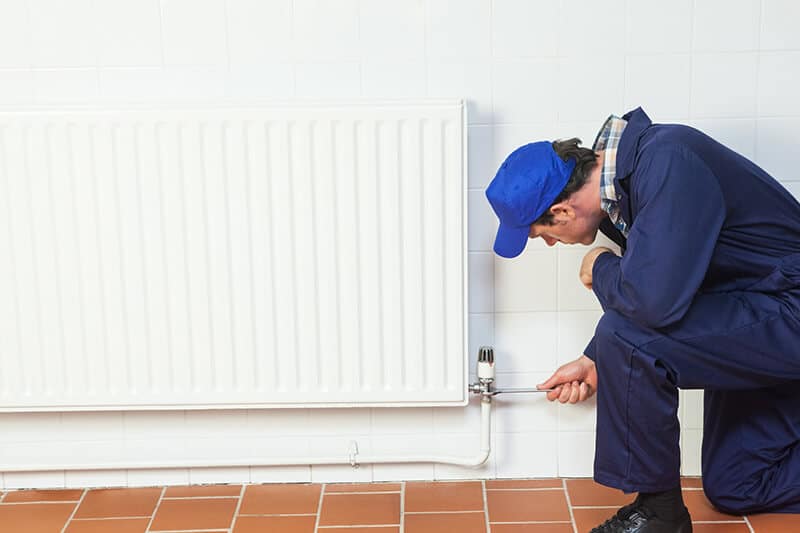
point(72, 515)
point(238, 507)
point(319, 507)
point(569, 505)
point(402, 507)
point(749, 525)
point(485, 506)
point(158, 504)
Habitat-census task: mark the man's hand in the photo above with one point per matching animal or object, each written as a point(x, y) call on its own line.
point(573, 382)
point(588, 263)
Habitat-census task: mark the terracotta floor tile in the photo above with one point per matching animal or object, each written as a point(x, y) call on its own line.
point(109, 525)
point(284, 524)
point(437, 523)
point(281, 499)
point(444, 496)
point(775, 523)
point(532, 528)
point(586, 519)
point(35, 518)
point(196, 513)
point(203, 490)
point(362, 487)
point(586, 492)
point(43, 496)
point(692, 482)
point(702, 510)
point(524, 484)
point(360, 509)
point(740, 527)
point(527, 506)
point(127, 503)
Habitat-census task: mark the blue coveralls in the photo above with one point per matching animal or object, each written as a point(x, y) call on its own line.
point(705, 296)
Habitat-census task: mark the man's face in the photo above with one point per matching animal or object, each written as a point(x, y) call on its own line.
point(575, 230)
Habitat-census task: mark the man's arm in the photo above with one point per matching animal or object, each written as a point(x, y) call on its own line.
point(670, 244)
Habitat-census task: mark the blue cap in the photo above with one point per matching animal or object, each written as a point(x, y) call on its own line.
point(527, 183)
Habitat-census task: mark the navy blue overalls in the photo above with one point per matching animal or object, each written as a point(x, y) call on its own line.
point(705, 296)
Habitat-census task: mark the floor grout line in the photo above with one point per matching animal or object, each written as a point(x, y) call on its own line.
point(402, 507)
point(319, 506)
point(75, 510)
point(238, 508)
point(485, 506)
point(569, 506)
point(749, 525)
point(158, 504)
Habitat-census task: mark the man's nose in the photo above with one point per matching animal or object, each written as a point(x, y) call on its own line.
point(549, 240)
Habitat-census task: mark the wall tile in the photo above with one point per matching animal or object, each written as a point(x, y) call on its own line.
point(778, 24)
point(481, 289)
point(776, 143)
point(458, 419)
point(22, 427)
point(525, 342)
point(691, 444)
point(588, 24)
point(406, 445)
point(793, 187)
point(465, 446)
point(73, 86)
point(15, 35)
point(91, 426)
point(203, 84)
point(659, 84)
point(692, 401)
point(196, 40)
point(578, 417)
point(480, 151)
point(723, 85)
point(42, 480)
point(151, 478)
point(576, 79)
point(270, 80)
point(576, 453)
point(572, 295)
point(575, 330)
point(736, 134)
point(398, 421)
point(532, 454)
point(280, 474)
point(525, 283)
point(62, 33)
point(16, 87)
point(385, 23)
point(328, 80)
point(339, 421)
point(217, 423)
point(655, 26)
point(482, 222)
point(525, 90)
point(129, 33)
point(468, 80)
point(259, 32)
point(524, 29)
point(393, 79)
point(736, 30)
point(211, 476)
point(458, 29)
point(278, 422)
point(778, 84)
point(325, 30)
point(96, 478)
point(126, 85)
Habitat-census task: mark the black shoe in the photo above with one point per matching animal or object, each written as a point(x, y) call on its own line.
point(636, 518)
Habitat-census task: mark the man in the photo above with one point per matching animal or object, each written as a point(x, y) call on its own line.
point(706, 295)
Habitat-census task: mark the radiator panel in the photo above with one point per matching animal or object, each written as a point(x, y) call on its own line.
point(261, 257)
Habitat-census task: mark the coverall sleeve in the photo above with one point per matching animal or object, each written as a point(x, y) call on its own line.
point(680, 212)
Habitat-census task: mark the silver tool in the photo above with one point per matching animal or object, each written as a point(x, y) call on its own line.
point(485, 372)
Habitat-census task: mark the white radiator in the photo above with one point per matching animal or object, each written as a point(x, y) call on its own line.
point(302, 255)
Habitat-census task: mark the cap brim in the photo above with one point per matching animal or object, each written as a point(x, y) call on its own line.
point(510, 241)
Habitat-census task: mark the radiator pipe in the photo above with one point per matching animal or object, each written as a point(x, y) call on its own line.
point(485, 373)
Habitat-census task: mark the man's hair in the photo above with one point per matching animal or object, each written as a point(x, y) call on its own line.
point(585, 161)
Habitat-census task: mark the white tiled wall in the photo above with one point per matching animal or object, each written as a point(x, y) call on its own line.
point(530, 70)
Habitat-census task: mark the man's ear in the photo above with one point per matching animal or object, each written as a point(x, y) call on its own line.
point(562, 212)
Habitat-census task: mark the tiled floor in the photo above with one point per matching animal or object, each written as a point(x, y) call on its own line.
point(492, 506)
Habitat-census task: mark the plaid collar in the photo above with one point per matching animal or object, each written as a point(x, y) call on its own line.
point(608, 140)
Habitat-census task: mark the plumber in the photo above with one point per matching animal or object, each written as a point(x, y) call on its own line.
point(704, 295)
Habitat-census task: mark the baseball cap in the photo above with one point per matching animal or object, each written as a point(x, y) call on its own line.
point(527, 183)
